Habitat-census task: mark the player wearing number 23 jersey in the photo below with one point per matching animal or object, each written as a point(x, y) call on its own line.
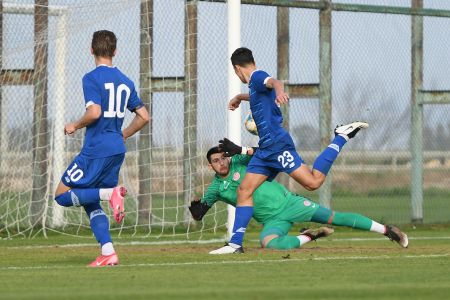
point(93, 175)
point(276, 151)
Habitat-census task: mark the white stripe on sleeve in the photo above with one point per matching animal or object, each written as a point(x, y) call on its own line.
point(267, 79)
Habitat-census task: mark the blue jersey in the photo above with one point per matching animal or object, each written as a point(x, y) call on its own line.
point(114, 92)
point(265, 111)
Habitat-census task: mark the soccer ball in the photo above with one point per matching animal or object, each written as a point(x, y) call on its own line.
point(250, 124)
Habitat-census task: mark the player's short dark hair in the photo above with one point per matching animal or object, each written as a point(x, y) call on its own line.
point(104, 43)
point(212, 151)
point(242, 57)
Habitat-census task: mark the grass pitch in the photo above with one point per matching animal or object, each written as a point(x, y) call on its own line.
point(348, 265)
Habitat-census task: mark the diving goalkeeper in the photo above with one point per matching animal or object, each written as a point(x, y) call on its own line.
point(276, 207)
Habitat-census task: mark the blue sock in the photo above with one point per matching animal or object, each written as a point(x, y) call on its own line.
point(326, 159)
point(99, 223)
point(241, 218)
point(78, 197)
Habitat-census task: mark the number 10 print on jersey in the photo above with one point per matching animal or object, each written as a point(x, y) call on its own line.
point(104, 137)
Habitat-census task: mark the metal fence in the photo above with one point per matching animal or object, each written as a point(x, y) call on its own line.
point(340, 62)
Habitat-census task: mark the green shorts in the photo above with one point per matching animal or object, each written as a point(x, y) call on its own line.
point(299, 209)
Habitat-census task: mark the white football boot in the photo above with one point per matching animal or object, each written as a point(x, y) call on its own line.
point(228, 249)
point(350, 130)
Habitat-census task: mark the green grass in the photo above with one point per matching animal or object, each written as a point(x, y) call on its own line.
point(338, 267)
point(391, 205)
point(384, 205)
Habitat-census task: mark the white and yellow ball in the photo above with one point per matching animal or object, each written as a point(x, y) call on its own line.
point(250, 124)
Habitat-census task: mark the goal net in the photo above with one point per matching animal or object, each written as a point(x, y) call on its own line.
point(165, 166)
point(161, 179)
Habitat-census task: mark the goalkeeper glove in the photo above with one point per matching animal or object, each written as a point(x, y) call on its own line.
point(198, 209)
point(230, 148)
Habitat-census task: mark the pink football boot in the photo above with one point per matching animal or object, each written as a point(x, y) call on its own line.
point(105, 260)
point(116, 203)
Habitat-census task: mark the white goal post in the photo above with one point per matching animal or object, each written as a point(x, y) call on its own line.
point(57, 138)
point(234, 85)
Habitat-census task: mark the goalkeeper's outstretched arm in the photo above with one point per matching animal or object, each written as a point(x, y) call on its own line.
point(229, 148)
point(198, 209)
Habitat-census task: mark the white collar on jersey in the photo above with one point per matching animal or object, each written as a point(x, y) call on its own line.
point(103, 65)
point(254, 72)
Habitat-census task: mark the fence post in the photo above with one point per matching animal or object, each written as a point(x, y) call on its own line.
point(145, 135)
point(190, 104)
point(283, 68)
point(325, 93)
point(3, 136)
point(40, 120)
point(416, 140)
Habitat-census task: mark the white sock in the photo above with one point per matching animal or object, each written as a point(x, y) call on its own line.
point(108, 249)
point(105, 194)
point(303, 239)
point(235, 246)
point(344, 136)
point(377, 227)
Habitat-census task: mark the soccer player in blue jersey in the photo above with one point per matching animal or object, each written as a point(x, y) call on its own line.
point(94, 174)
point(276, 152)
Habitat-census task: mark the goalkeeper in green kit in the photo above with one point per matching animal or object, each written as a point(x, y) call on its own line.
point(276, 207)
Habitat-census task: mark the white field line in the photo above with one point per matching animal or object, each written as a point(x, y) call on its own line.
point(133, 243)
point(238, 262)
point(212, 241)
point(417, 238)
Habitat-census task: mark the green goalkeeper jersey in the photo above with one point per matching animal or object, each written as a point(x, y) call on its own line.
point(269, 199)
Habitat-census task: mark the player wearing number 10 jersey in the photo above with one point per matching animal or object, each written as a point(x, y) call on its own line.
point(94, 174)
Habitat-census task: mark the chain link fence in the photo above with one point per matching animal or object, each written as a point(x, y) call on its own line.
point(371, 81)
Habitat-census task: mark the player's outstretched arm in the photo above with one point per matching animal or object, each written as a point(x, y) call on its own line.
point(229, 148)
point(140, 120)
point(281, 96)
point(236, 101)
point(93, 112)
